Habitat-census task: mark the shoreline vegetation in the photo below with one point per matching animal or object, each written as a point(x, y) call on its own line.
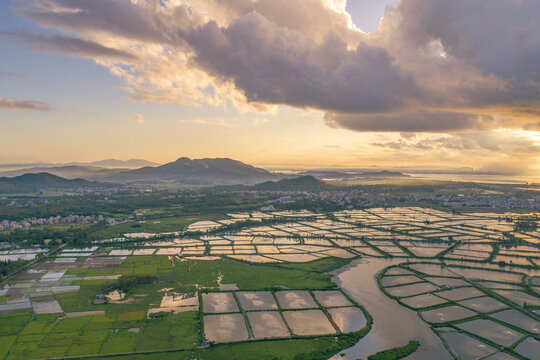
point(396, 353)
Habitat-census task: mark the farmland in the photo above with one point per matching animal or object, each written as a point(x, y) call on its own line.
point(213, 289)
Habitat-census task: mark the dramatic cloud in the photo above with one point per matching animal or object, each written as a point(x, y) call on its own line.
point(488, 141)
point(433, 66)
point(500, 37)
point(10, 104)
point(515, 152)
point(419, 121)
point(278, 66)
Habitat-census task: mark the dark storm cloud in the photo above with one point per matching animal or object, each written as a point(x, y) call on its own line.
point(410, 122)
point(501, 37)
point(278, 66)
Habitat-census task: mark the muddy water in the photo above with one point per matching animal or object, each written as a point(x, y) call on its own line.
point(394, 325)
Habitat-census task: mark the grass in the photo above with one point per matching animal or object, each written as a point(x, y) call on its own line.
point(183, 330)
point(161, 224)
point(133, 315)
point(172, 332)
point(47, 336)
point(84, 349)
point(118, 342)
point(13, 324)
point(22, 350)
point(31, 338)
point(47, 352)
point(92, 282)
point(295, 349)
point(155, 335)
point(71, 324)
point(58, 339)
point(40, 324)
point(396, 353)
point(5, 343)
point(91, 336)
point(77, 271)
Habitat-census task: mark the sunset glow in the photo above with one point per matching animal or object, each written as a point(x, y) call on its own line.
point(323, 84)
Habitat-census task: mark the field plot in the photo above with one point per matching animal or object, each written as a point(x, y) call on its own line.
point(400, 280)
point(348, 319)
point(466, 346)
point(473, 320)
point(219, 303)
point(519, 320)
point(411, 290)
point(163, 312)
point(483, 304)
point(295, 313)
point(225, 328)
point(270, 282)
point(446, 314)
point(461, 293)
point(308, 322)
point(267, 324)
point(423, 301)
point(257, 300)
point(331, 298)
point(530, 348)
point(492, 331)
point(295, 300)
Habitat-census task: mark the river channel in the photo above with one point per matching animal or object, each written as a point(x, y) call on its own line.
point(393, 324)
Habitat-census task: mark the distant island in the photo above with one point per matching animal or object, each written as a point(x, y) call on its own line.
point(351, 174)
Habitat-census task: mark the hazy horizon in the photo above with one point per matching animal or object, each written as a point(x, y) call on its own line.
point(332, 84)
point(422, 172)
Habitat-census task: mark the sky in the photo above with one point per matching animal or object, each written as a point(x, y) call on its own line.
point(284, 84)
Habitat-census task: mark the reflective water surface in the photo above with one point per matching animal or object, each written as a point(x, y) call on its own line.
point(394, 325)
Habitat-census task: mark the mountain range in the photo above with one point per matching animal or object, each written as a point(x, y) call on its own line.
point(66, 171)
point(42, 181)
point(108, 163)
point(185, 171)
point(220, 171)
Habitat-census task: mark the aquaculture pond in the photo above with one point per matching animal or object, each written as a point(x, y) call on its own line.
point(300, 285)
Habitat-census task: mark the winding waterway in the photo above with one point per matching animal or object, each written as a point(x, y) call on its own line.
point(393, 324)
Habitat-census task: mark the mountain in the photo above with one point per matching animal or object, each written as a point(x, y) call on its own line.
point(42, 181)
point(109, 163)
point(220, 171)
point(306, 182)
point(24, 165)
point(130, 164)
point(68, 172)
